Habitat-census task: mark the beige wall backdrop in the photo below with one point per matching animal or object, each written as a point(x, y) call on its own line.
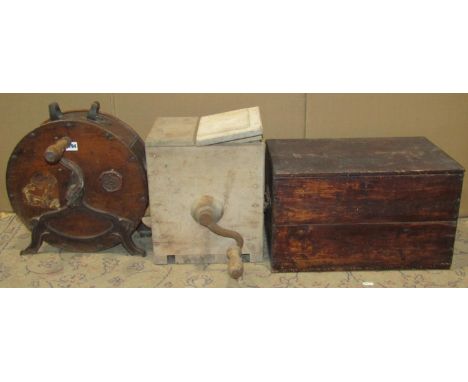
point(443, 118)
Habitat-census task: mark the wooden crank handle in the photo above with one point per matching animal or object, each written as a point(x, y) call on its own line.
point(235, 264)
point(55, 151)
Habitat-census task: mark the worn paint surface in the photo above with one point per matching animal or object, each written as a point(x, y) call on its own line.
point(42, 191)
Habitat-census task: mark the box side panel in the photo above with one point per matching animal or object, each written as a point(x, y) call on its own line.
point(367, 199)
point(178, 177)
point(363, 246)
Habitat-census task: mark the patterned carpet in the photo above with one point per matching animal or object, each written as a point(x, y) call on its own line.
point(113, 268)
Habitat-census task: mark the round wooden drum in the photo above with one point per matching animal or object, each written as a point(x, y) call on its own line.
point(78, 181)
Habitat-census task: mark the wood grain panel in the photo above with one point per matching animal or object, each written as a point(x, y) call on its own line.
point(362, 199)
point(363, 246)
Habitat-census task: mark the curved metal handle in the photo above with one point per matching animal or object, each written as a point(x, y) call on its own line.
point(55, 151)
point(235, 265)
point(54, 154)
point(208, 212)
point(206, 219)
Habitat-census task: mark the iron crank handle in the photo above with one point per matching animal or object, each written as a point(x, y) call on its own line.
point(235, 265)
point(207, 212)
point(55, 151)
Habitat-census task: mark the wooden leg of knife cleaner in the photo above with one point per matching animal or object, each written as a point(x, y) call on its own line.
point(207, 212)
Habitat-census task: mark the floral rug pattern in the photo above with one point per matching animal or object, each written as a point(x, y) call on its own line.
point(114, 268)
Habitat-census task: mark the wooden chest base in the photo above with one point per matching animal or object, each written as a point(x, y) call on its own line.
point(325, 247)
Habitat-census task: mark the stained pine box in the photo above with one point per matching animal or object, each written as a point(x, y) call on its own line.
point(350, 204)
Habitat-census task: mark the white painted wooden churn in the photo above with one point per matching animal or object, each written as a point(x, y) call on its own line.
point(206, 179)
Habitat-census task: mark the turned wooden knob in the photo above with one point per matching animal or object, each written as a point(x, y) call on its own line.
point(235, 265)
point(55, 151)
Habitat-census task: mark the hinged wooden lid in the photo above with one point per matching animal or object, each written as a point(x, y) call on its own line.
point(243, 125)
point(400, 155)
